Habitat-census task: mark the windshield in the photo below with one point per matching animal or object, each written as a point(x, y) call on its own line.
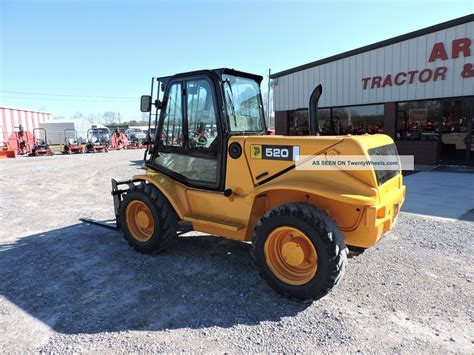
point(243, 104)
point(102, 134)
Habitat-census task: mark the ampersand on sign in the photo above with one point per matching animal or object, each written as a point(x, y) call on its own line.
point(467, 71)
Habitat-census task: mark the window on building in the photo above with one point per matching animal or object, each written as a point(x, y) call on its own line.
point(298, 123)
point(425, 120)
point(339, 120)
point(324, 118)
point(419, 120)
point(367, 119)
point(357, 119)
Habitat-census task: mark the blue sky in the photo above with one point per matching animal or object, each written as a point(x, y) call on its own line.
point(97, 56)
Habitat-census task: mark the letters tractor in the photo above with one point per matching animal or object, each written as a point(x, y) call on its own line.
point(212, 167)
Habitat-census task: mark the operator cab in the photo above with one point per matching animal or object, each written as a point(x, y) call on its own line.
point(195, 113)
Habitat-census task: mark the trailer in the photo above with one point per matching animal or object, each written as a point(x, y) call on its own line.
point(56, 129)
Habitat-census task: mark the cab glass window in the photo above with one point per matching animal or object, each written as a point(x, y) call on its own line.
point(201, 115)
point(172, 134)
point(243, 104)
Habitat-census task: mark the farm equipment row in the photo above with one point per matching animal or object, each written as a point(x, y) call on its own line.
point(27, 143)
point(99, 140)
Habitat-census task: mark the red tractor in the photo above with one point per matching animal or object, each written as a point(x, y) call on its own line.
point(41, 146)
point(71, 143)
point(119, 140)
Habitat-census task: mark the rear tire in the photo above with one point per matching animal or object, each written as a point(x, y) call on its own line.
point(147, 219)
point(299, 251)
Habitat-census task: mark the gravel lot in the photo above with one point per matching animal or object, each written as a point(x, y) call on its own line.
point(69, 286)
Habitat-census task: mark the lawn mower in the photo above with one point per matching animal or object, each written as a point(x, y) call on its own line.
point(41, 146)
point(98, 140)
point(71, 143)
point(242, 183)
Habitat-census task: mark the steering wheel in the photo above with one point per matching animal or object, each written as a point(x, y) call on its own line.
point(202, 140)
point(197, 140)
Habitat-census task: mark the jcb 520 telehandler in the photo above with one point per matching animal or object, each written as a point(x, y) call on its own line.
point(212, 165)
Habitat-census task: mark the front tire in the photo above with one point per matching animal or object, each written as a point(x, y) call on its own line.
point(299, 251)
point(147, 219)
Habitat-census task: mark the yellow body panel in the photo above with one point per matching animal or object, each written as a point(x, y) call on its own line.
point(351, 198)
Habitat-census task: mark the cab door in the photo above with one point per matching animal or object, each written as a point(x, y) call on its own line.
point(189, 145)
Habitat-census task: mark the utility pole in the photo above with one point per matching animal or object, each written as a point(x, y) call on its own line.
point(268, 99)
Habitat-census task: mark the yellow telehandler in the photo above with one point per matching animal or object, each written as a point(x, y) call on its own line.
point(212, 165)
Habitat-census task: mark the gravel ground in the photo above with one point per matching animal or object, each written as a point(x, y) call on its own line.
point(67, 286)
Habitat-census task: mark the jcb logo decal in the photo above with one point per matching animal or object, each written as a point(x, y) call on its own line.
point(256, 151)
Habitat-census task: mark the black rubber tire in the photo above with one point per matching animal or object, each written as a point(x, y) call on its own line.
point(165, 219)
point(326, 238)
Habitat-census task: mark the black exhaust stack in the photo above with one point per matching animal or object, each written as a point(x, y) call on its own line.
point(313, 110)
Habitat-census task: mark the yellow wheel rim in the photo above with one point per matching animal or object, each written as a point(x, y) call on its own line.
point(140, 220)
point(291, 256)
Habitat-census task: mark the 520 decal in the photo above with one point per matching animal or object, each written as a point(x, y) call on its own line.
point(274, 152)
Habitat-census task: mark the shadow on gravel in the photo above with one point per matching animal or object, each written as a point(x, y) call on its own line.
point(86, 279)
point(469, 216)
point(138, 163)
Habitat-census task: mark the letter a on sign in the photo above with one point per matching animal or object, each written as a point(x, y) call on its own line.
point(438, 52)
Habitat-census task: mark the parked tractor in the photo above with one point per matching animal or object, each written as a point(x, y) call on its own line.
point(119, 140)
point(213, 166)
point(71, 142)
point(41, 145)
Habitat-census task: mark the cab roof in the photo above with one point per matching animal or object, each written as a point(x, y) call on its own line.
point(218, 72)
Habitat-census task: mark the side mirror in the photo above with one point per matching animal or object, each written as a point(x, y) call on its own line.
point(145, 103)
